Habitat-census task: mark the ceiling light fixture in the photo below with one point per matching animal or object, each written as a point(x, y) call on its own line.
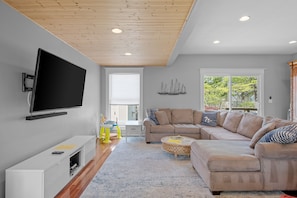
point(244, 18)
point(216, 42)
point(128, 54)
point(292, 42)
point(117, 30)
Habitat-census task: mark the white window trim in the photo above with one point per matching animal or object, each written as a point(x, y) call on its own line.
point(233, 72)
point(109, 71)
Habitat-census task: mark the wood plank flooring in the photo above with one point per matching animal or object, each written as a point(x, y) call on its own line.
point(78, 184)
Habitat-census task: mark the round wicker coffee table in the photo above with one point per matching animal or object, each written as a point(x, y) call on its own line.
point(177, 145)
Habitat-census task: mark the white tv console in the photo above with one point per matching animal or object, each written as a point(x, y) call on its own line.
point(45, 174)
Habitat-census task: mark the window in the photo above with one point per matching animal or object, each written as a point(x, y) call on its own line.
point(232, 89)
point(124, 94)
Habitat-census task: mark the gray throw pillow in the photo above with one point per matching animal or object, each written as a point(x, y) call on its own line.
point(209, 118)
point(151, 115)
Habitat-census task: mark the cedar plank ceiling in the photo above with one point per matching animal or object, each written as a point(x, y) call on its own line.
point(151, 28)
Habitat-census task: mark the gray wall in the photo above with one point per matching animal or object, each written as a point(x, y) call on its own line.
point(186, 70)
point(20, 139)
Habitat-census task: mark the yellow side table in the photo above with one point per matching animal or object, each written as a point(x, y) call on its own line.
point(105, 133)
point(101, 134)
point(119, 133)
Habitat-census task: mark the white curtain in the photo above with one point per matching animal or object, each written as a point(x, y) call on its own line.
point(124, 89)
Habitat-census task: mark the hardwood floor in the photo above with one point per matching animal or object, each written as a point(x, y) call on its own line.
point(78, 184)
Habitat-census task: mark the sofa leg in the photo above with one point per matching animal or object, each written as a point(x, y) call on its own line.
point(215, 192)
point(148, 142)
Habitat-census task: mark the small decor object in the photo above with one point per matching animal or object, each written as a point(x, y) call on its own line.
point(163, 90)
point(175, 139)
point(102, 119)
point(101, 133)
point(175, 88)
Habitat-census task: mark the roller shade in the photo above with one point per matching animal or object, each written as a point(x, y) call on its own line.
point(124, 89)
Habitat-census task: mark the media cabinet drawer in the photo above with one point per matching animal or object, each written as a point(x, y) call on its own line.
point(56, 177)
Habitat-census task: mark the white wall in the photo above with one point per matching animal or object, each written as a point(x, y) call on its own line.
point(186, 70)
point(19, 139)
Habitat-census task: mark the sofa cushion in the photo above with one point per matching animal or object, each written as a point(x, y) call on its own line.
point(249, 124)
point(267, 119)
point(162, 129)
point(162, 117)
point(197, 116)
point(219, 133)
point(226, 155)
point(151, 115)
point(181, 129)
point(168, 112)
point(280, 122)
point(282, 135)
point(209, 118)
point(261, 132)
point(221, 117)
point(232, 121)
point(182, 116)
point(228, 136)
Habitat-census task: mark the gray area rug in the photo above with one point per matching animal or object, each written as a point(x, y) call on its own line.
point(136, 169)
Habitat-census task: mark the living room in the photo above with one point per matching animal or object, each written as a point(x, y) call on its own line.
point(20, 38)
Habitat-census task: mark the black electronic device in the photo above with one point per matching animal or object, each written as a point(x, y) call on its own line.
point(57, 84)
point(57, 152)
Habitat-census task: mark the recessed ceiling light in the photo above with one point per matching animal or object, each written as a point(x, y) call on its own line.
point(116, 30)
point(216, 42)
point(128, 54)
point(244, 18)
point(292, 42)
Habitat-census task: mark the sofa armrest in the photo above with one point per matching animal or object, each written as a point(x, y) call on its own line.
point(275, 150)
point(148, 122)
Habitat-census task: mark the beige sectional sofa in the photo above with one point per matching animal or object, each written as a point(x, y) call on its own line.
point(190, 123)
point(228, 155)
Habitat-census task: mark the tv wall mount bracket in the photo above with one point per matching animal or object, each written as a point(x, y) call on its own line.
point(26, 88)
point(25, 78)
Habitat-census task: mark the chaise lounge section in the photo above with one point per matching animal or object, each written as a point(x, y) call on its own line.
point(233, 166)
point(265, 160)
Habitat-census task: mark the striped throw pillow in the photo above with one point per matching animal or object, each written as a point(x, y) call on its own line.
point(282, 135)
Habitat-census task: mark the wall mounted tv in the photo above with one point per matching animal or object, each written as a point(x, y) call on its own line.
point(57, 84)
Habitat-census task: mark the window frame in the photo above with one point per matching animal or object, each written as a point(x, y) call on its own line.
point(259, 73)
point(109, 71)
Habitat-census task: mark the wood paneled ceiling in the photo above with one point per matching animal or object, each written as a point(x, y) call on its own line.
point(151, 28)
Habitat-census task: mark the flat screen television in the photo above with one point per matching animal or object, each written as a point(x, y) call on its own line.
point(57, 83)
